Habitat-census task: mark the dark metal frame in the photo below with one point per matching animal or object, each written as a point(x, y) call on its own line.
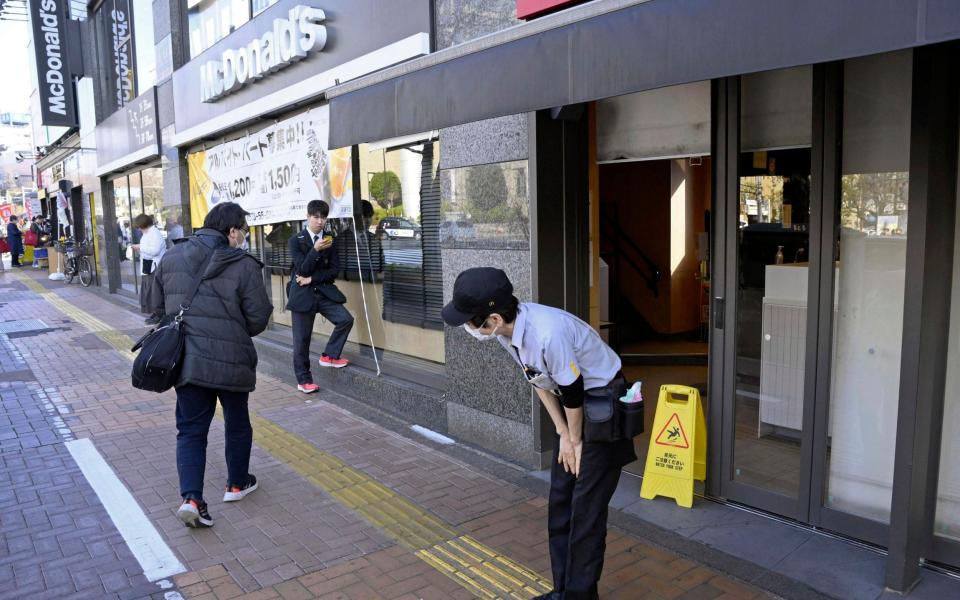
point(930, 248)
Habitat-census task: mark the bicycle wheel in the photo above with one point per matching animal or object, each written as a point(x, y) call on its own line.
point(71, 270)
point(86, 272)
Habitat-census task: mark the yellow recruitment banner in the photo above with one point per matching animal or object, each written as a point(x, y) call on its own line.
point(678, 446)
point(274, 172)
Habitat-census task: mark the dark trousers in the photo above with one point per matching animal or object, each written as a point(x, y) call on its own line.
point(303, 330)
point(16, 249)
point(195, 408)
point(577, 516)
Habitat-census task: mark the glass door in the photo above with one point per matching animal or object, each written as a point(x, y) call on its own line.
point(867, 254)
point(769, 219)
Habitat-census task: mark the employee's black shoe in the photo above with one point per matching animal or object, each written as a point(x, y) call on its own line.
point(152, 320)
point(551, 595)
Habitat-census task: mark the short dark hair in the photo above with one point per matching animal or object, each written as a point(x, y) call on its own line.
point(318, 207)
point(366, 209)
point(225, 216)
point(509, 313)
point(143, 221)
point(14, 218)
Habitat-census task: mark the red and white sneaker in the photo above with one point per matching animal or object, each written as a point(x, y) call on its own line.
point(308, 388)
point(336, 363)
point(194, 514)
point(237, 492)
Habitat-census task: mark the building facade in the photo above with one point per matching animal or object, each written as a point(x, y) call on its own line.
point(768, 215)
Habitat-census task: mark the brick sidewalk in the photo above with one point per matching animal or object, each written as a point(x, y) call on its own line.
point(346, 509)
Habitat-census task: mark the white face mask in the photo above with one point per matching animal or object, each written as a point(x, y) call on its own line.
point(481, 336)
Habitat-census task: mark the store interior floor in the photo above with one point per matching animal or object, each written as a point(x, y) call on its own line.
point(760, 458)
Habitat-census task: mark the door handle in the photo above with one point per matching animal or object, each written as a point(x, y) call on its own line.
point(718, 311)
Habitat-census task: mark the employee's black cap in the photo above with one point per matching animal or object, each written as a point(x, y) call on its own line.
point(477, 292)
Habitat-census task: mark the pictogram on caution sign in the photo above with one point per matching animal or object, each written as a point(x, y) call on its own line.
point(673, 434)
point(673, 463)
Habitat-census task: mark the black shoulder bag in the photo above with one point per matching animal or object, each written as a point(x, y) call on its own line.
point(157, 367)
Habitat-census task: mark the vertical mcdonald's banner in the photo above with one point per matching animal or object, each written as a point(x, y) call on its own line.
point(678, 446)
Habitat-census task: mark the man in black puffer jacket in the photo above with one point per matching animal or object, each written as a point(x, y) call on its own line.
point(230, 307)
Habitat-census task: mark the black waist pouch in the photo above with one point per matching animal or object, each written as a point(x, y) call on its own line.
point(630, 418)
point(600, 422)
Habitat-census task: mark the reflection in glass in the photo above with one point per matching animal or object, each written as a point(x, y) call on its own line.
point(210, 21)
point(871, 252)
point(485, 202)
point(773, 234)
point(145, 50)
point(948, 489)
point(121, 193)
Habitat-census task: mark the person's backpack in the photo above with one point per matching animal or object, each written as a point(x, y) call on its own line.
point(157, 366)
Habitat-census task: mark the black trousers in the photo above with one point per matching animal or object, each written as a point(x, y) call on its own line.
point(577, 516)
point(303, 330)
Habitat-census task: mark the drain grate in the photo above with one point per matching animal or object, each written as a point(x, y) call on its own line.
point(21, 325)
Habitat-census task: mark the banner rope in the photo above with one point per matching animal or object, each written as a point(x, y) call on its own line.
point(363, 294)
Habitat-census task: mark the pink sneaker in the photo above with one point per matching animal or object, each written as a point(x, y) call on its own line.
point(308, 388)
point(336, 363)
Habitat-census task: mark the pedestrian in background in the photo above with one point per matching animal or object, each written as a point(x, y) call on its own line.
point(152, 247)
point(14, 241)
point(174, 230)
point(231, 306)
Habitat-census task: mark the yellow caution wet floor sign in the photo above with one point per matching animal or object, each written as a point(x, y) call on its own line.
point(678, 446)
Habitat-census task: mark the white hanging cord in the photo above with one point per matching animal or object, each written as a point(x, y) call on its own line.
point(363, 294)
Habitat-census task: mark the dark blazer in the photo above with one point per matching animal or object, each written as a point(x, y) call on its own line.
point(231, 306)
point(322, 267)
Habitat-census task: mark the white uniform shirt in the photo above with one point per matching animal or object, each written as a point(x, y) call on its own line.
point(559, 347)
point(152, 247)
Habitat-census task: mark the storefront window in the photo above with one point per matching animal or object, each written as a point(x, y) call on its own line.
point(389, 258)
point(153, 197)
point(135, 194)
point(948, 489)
point(870, 271)
point(212, 20)
point(145, 51)
point(121, 194)
point(261, 5)
point(485, 202)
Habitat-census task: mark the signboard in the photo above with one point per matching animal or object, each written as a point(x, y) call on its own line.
point(290, 40)
point(678, 446)
point(57, 95)
point(123, 76)
point(252, 71)
point(274, 172)
point(129, 134)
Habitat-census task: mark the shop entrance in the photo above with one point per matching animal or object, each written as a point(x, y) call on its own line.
point(655, 289)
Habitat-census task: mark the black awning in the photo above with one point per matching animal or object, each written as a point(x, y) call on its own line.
point(642, 46)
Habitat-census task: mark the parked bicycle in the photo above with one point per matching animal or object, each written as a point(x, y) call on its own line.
point(77, 260)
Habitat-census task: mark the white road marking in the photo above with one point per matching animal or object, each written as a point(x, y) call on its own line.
point(155, 557)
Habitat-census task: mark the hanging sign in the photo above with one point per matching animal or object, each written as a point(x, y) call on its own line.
point(678, 446)
point(57, 103)
point(274, 172)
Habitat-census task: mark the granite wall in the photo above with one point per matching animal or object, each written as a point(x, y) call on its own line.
point(484, 189)
point(458, 21)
